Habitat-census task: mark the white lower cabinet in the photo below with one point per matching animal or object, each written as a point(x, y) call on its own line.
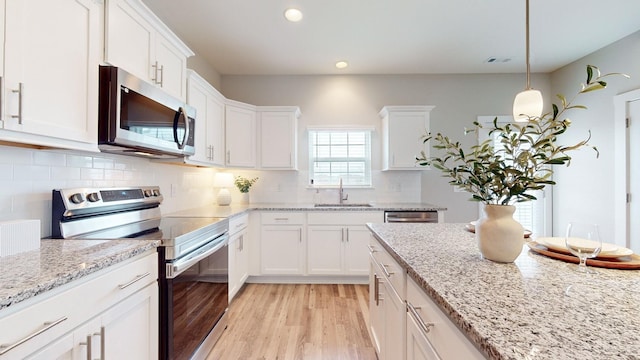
point(238, 253)
point(282, 243)
point(337, 242)
point(110, 314)
point(386, 304)
point(433, 335)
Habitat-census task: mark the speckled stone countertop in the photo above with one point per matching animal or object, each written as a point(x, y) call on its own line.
point(59, 262)
point(234, 209)
point(534, 308)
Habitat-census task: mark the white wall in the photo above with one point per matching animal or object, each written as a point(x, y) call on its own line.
point(340, 100)
point(27, 177)
point(584, 191)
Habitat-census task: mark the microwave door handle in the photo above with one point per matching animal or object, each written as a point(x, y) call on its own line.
point(181, 113)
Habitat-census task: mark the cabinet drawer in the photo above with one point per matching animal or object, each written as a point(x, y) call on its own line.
point(63, 309)
point(391, 270)
point(344, 218)
point(447, 340)
point(283, 218)
point(238, 223)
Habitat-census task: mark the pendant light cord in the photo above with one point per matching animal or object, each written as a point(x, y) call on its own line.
point(527, 46)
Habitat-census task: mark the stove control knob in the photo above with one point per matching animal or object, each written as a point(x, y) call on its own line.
point(156, 192)
point(147, 193)
point(77, 198)
point(93, 197)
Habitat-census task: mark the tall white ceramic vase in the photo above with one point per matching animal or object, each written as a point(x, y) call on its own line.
point(244, 198)
point(500, 237)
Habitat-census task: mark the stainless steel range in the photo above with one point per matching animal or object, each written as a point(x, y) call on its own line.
point(193, 258)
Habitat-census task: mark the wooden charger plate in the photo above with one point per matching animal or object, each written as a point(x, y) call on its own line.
point(631, 262)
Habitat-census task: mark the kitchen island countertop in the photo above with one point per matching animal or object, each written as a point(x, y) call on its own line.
point(237, 209)
point(58, 262)
point(534, 308)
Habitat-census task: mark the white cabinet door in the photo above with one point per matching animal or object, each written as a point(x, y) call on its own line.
point(394, 324)
point(209, 104)
point(61, 349)
point(130, 328)
point(51, 72)
point(376, 308)
point(356, 253)
point(278, 137)
point(130, 40)
point(418, 347)
point(325, 249)
point(142, 45)
point(402, 128)
point(282, 250)
point(240, 139)
point(172, 67)
point(238, 262)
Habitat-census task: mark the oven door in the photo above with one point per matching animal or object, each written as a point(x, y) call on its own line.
point(193, 299)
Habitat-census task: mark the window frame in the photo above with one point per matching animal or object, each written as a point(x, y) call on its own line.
point(366, 175)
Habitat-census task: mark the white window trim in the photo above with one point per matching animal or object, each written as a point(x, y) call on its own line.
point(342, 128)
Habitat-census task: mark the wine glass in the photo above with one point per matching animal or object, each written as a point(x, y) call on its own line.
point(583, 240)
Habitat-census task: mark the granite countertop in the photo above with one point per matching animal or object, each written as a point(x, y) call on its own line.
point(58, 262)
point(534, 308)
point(234, 209)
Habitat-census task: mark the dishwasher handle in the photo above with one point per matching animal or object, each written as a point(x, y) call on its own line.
point(411, 216)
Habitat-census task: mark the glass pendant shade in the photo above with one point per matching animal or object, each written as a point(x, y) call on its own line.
point(527, 104)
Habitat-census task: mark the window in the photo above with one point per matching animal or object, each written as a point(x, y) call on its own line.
point(340, 154)
point(532, 215)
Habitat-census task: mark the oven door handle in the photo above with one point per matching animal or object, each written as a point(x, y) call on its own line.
point(181, 265)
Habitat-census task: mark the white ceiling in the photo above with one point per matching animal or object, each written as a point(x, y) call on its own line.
point(395, 36)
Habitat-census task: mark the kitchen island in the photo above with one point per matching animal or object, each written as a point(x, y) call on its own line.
point(534, 308)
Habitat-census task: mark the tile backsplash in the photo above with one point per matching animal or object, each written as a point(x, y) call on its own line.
point(28, 175)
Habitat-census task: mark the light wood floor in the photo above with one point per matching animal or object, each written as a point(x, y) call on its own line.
point(275, 321)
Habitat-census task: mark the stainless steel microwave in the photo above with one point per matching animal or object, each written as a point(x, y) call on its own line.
point(140, 119)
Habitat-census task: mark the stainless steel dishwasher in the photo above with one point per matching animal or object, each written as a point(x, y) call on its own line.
point(411, 216)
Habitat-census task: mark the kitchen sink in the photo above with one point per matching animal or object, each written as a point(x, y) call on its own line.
point(342, 205)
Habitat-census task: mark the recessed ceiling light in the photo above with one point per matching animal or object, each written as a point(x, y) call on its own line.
point(342, 64)
point(293, 15)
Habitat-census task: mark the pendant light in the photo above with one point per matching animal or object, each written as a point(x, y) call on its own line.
point(527, 103)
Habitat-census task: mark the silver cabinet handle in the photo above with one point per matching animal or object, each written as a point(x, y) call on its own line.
point(281, 219)
point(161, 76)
point(88, 344)
point(136, 279)
point(20, 92)
point(376, 292)
point(300, 234)
point(155, 73)
point(371, 249)
point(228, 156)
point(426, 327)
point(342, 230)
point(347, 231)
point(386, 272)
point(102, 341)
point(47, 325)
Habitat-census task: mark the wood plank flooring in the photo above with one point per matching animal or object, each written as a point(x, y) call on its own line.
point(297, 321)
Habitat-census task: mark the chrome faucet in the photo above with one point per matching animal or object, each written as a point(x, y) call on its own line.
point(341, 193)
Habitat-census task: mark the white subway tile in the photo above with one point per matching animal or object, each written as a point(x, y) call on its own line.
point(92, 174)
point(113, 174)
point(42, 157)
point(65, 173)
point(102, 163)
point(79, 161)
point(6, 171)
point(31, 172)
point(15, 155)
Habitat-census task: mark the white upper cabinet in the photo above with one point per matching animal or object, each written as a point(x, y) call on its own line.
point(402, 128)
point(278, 129)
point(240, 131)
point(52, 50)
point(209, 104)
point(140, 43)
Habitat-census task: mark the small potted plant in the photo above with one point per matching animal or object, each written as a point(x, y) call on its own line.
point(500, 176)
point(244, 184)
